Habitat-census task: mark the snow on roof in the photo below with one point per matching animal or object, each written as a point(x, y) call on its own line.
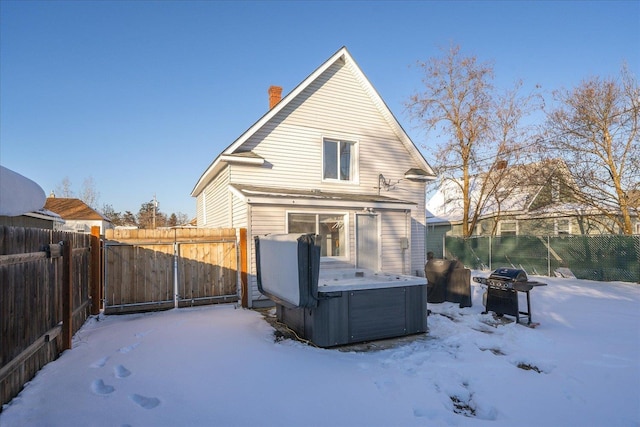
point(19, 194)
point(446, 203)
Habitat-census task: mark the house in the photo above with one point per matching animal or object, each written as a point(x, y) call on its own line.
point(634, 202)
point(77, 215)
point(328, 158)
point(531, 199)
point(41, 218)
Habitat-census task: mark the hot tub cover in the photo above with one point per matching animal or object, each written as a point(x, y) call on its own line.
point(287, 267)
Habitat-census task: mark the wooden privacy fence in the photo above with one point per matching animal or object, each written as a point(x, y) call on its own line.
point(45, 297)
point(166, 268)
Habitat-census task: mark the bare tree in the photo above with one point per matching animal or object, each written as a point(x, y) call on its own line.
point(64, 188)
point(182, 218)
point(595, 129)
point(88, 192)
point(177, 219)
point(477, 129)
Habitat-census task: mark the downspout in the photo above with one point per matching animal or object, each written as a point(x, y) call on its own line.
point(407, 220)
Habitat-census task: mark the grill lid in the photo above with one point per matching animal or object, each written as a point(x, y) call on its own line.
point(509, 275)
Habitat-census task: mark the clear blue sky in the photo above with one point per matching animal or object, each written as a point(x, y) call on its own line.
point(141, 96)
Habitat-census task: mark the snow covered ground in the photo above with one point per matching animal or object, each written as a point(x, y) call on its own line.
point(223, 366)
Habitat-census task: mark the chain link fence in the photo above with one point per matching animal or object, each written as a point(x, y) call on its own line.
point(603, 257)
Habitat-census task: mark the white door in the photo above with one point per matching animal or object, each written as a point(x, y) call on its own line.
point(367, 242)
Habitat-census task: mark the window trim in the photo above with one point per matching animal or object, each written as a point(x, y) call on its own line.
point(355, 154)
point(509, 222)
point(558, 231)
point(346, 218)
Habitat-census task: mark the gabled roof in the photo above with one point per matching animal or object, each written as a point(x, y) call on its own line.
point(341, 55)
point(73, 209)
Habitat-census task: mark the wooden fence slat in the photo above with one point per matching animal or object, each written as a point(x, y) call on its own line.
point(67, 295)
point(31, 301)
point(206, 267)
point(95, 270)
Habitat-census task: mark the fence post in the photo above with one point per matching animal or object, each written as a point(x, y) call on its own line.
point(243, 268)
point(176, 254)
point(67, 295)
point(548, 256)
point(95, 270)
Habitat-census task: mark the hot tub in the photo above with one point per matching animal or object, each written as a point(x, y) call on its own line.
point(349, 305)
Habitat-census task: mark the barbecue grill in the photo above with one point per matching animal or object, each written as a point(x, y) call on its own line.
point(503, 286)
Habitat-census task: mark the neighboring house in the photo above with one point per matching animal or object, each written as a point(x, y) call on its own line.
point(532, 199)
point(634, 202)
point(329, 158)
point(78, 216)
point(38, 219)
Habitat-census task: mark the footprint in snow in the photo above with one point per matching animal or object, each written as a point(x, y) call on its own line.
point(425, 412)
point(145, 402)
point(121, 372)
point(100, 363)
point(129, 348)
point(142, 334)
point(99, 387)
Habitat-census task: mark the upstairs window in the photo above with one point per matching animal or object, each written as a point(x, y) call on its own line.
point(562, 226)
point(508, 228)
point(339, 160)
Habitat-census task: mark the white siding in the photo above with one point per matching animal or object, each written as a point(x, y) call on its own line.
point(393, 230)
point(264, 220)
point(418, 229)
point(200, 210)
point(83, 225)
point(334, 106)
point(217, 204)
point(239, 209)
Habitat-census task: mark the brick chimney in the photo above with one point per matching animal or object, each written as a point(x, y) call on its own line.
point(275, 95)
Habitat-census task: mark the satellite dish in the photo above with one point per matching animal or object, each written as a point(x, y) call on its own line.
point(19, 195)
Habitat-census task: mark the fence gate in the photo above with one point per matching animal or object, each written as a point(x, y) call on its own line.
point(159, 269)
